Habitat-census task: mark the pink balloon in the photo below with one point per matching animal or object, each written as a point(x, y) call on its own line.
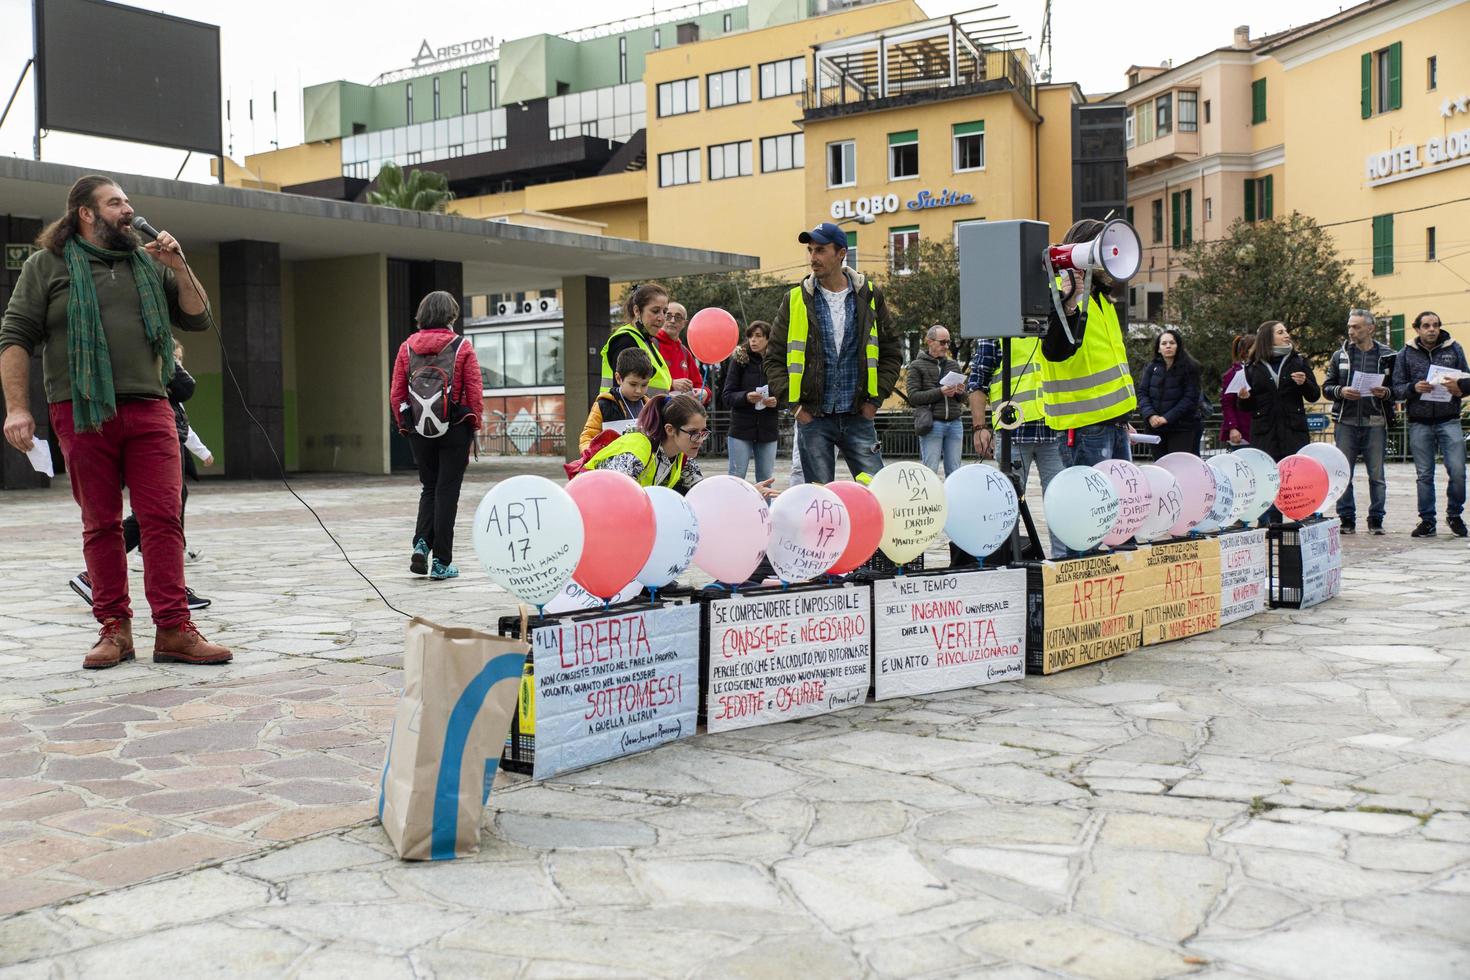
point(1135, 498)
point(620, 526)
point(865, 515)
point(712, 335)
point(734, 527)
point(1304, 486)
point(1196, 484)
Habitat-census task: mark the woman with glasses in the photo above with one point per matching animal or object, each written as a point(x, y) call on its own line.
point(661, 451)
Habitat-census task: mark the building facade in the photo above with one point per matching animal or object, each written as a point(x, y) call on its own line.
point(1357, 120)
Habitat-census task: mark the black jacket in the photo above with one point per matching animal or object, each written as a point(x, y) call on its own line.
point(1412, 366)
point(744, 374)
point(925, 373)
point(1377, 360)
point(180, 389)
point(1170, 392)
point(1279, 414)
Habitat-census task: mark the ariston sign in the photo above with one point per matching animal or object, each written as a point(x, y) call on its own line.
point(429, 55)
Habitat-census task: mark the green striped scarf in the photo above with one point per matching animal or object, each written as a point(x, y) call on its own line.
point(93, 400)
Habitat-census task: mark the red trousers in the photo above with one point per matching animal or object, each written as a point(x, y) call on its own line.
point(138, 446)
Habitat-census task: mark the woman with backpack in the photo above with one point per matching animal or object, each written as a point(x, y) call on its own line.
point(436, 401)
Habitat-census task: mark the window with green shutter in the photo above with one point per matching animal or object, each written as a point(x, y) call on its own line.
point(1270, 207)
point(1367, 85)
point(1258, 101)
point(1395, 76)
point(1396, 331)
point(1259, 205)
point(1250, 199)
point(1383, 244)
point(1174, 217)
point(1188, 218)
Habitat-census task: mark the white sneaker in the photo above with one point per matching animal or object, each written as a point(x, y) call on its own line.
point(191, 555)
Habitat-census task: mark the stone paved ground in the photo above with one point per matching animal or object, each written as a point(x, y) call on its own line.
point(1287, 797)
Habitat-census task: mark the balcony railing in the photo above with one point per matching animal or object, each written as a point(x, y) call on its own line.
point(904, 83)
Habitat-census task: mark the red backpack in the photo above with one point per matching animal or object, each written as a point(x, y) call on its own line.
point(604, 439)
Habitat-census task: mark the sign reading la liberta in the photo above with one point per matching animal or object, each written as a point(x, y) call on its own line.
point(615, 684)
point(944, 632)
point(776, 657)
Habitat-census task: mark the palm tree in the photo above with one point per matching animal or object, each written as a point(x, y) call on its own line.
point(421, 190)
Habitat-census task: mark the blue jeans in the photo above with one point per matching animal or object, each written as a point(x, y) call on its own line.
point(850, 432)
point(1425, 438)
point(946, 437)
point(1048, 459)
point(1371, 442)
point(742, 451)
point(1094, 443)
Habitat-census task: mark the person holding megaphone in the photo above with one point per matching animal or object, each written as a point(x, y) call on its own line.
point(1086, 387)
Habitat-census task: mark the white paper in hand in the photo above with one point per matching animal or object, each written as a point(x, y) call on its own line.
point(1144, 438)
point(1364, 383)
point(951, 379)
point(622, 426)
point(1237, 384)
point(1438, 375)
point(40, 457)
point(764, 391)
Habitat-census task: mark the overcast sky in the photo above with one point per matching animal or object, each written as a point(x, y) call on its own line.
point(287, 44)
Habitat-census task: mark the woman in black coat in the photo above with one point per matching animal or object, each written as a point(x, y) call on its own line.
point(1281, 386)
point(1168, 396)
point(754, 421)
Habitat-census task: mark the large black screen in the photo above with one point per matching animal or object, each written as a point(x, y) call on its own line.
point(103, 69)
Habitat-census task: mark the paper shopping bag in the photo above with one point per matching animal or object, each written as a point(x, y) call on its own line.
point(460, 687)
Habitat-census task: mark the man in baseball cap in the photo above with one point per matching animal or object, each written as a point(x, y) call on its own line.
point(833, 357)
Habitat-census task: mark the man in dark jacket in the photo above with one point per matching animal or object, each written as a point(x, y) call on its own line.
point(939, 410)
point(834, 357)
point(1361, 422)
point(1434, 418)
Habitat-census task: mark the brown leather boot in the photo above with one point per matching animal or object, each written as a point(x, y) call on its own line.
point(185, 646)
point(114, 645)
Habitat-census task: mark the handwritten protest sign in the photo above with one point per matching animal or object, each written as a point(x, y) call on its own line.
point(780, 656)
point(1182, 590)
point(1083, 610)
point(943, 632)
point(1244, 570)
point(615, 684)
point(1321, 561)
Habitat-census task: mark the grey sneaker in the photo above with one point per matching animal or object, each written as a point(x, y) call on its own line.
point(418, 563)
point(443, 571)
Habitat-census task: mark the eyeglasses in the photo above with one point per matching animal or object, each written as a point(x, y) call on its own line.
point(941, 343)
point(676, 316)
point(696, 435)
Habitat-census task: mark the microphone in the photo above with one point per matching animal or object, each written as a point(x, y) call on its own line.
point(141, 225)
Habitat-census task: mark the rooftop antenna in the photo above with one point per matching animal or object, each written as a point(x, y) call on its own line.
point(1043, 54)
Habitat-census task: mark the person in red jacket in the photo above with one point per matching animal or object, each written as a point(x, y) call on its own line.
point(436, 401)
point(1235, 424)
point(681, 360)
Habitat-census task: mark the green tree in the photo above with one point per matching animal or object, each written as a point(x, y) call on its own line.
point(927, 294)
point(1286, 269)
point(421, 190)
point(747, 296)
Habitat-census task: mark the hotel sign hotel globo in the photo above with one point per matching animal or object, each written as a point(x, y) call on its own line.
point(889, 203)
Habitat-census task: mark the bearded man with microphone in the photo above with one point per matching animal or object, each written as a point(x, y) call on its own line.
point(101, 307)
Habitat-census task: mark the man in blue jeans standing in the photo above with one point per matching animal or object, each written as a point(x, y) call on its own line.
point(1434, 419)
point(1361, 419)
point(834, 356)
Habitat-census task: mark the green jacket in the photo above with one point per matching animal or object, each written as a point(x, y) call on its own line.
point(870, 303)
point(36, 317)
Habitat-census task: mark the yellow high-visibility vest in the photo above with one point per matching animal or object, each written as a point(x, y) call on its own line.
point(639, 445)
point(661, 381)
point(796, 339)
point(1094, 384)
point(1025, 379)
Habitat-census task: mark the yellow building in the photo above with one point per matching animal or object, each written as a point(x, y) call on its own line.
point(1354, 120)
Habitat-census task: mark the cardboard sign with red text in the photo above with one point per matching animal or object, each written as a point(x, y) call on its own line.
point(1321, 546)
point(614, 684)
point(1182, 590)
point(947, 631)
point(1244, 574)
point(1083, 610)
point(777, 656)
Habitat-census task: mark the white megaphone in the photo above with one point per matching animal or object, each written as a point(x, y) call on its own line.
point(1116, 251)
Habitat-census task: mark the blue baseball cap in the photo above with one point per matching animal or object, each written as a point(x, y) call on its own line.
point(825, 233)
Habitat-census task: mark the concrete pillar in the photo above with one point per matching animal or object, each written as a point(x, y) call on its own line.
point(585, 328)
point(249, 314)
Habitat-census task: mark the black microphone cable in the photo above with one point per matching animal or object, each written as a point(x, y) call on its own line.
point(141, 224)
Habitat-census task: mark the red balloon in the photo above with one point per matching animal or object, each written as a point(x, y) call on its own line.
point(620, 530)
point(866, 515)
point(1303, 487)
point(712, 335)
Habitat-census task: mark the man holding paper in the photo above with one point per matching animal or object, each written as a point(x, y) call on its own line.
point(1427, 378)
point(1362, 408)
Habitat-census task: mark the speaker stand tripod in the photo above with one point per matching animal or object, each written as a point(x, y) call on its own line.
point(1031, 550)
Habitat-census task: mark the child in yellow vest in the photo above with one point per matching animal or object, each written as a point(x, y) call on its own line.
point(624, 399)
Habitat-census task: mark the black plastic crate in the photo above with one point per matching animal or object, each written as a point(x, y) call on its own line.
point(1287, 586)
point(880, 564)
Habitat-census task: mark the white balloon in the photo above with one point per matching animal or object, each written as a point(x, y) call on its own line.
point(1268, 481)
point(1168, 502)
point(675, 536)
point(1339, 471)
point(1135, 498)
point(983, 508)
point(1242, 481)
point(1224, 505)
point(1081, 507)
point(734, 527)
point(528, 534)
point(914, 507)
point(809, 532)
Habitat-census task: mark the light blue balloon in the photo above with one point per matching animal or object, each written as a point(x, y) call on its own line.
point(1081, 507)
point(675, 536)
point(1223, 508)
point(983, 508)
